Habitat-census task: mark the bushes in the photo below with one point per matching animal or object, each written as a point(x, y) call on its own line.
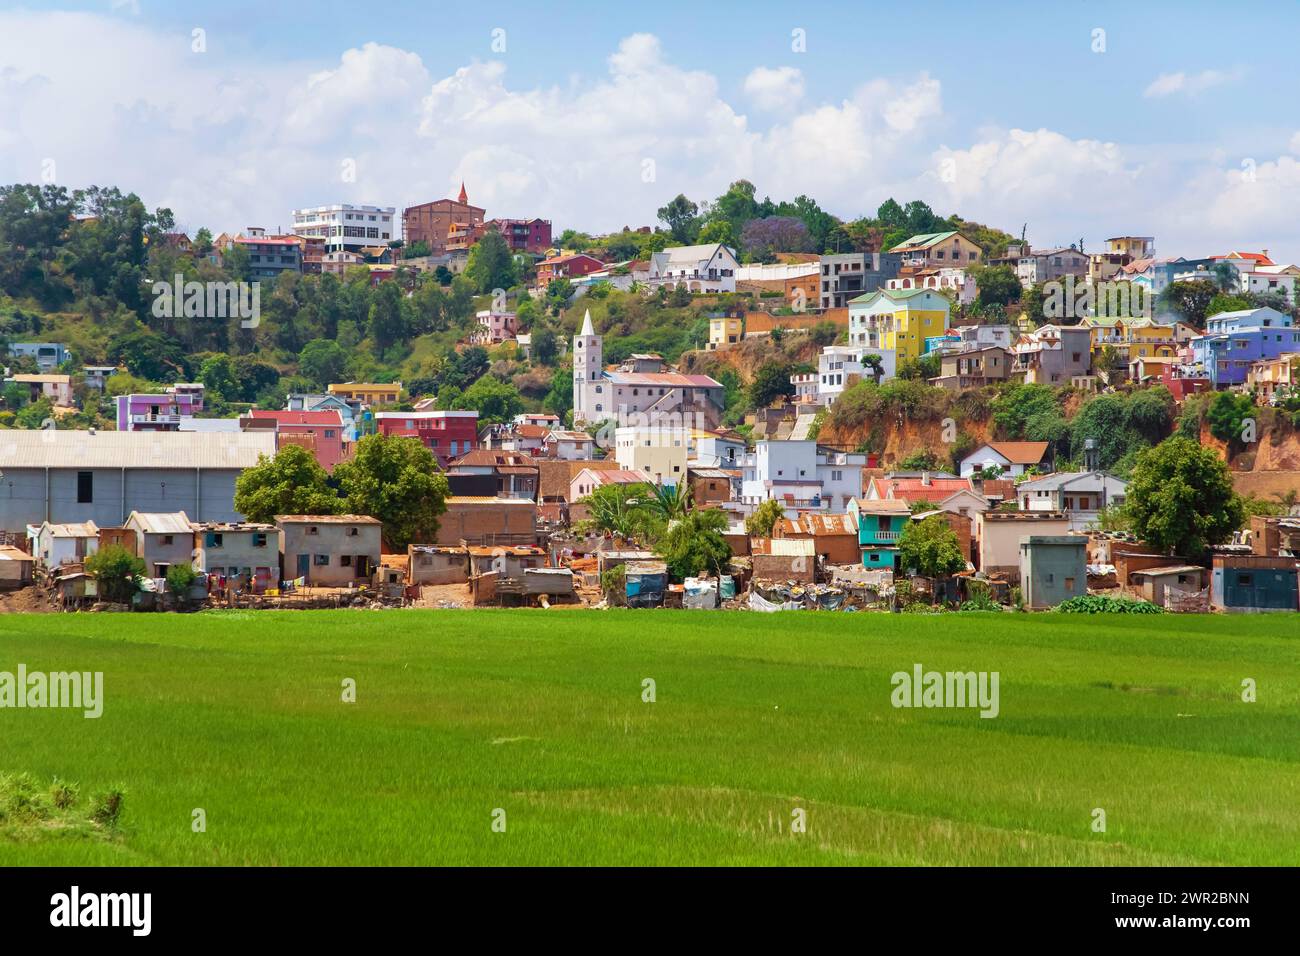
point(1097, 604)
point(180, 578)
point(115, 570)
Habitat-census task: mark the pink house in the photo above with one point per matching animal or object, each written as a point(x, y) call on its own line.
point(495, 327)
point(321, 433)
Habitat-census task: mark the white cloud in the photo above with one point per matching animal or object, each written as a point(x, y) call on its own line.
point(229, 142)
point(776, 88)
point(1167, 84)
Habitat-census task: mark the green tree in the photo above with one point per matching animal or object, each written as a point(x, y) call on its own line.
point(694, 544)
point(490, 264)
point(291, 483)
point(1180, 500)
point(618, 509)
point(771, 381)
point(494, 400)
point(680, 216)
point(1227, 415)
point(116, 572)
point(930, 548)
point(997, 285)
point(323, 361)
point(397, 481)
point(764, 518)
point(218, 377)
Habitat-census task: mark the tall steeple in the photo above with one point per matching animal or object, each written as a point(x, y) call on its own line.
point(463, 199)
point(589, 401)
point(586, 324)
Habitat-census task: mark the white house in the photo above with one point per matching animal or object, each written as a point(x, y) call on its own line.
point(706, 268)
point(569, 446)
point(1079, 494)
point(1011, 458)
point(55, 544)
point(802, 476)
point(839, 366)
point(716, 450)
point(660, 453)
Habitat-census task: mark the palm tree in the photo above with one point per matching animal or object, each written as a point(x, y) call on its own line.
point(670, 502)
point(873, 363)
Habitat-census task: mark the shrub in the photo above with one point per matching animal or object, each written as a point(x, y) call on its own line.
point(1099, 604)
point(116, 571)
point(180, 578)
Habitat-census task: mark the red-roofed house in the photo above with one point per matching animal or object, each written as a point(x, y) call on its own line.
point(321, 433)
point(448, 434)
point(923, 487)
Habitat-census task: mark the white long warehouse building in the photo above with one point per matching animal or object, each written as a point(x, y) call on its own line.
point(73, 476)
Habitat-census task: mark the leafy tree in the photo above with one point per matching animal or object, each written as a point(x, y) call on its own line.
point(618, 509)
point(1180, 500)
point(387, 318)
point(323, 361)
point(771, 381)
point(1223, 302)
point(694, 544)
point(180, 578)
point(1189, 301)
point(997, 285)
point(764, 518)
point(718, 231)
point(670, 502)
point(116, 572)
point(218, 377)
point(397, 481)
point(559, 400)
point(494, 400)
point(1016, 404)
point(680, 216)
point(930, 548)
point(545, 346)
point(150, 356)
point(490, 265)
point(1227, 415)
point(291, 483)
point(36, 414)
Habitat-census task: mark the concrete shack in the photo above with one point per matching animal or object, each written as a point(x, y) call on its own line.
point(1053, 568)
point(1253, 584)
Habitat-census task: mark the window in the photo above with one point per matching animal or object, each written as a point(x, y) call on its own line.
point(320, 560)
point(353, 532)
point(313, 530)
point(1069, 584)
point(259, 540)
point(85, 487)
point(212, 540)
point(346, 560)
point(166, 539)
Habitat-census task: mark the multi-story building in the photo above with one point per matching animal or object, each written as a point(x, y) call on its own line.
point(494, 327)
point(838, 367)
point(524, 235)
point(802, 475)
point(1234, 341)
point(1053, 355)
point(973, 368)
point(1272, 379)
point(660, 453)
point(938, 250)
point(448, 434)
point(845, 276)
point(957, 281)
point(1036, 266)
point(268, 256)
point(431, 222)
point(1078, 495)
point(343, 227)
point(57, 388)
point(320, 433)
point(898, 320)
point(159, 412)
point(368, 393)
point(704, 268)
point(644, 386)
point(725, 330)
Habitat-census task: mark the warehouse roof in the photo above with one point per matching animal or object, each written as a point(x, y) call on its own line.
point(21, 448)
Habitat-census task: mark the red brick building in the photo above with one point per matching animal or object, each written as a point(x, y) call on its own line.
point(524, 235)
point(432, 222)
point(448, 434)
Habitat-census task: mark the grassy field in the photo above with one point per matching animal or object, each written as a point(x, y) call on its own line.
point(540, 714)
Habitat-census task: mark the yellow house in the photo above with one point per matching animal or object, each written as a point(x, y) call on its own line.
point(368, 393)
point(1147, 339)
point(939, 250)
point(1136, 338)
point(898, 319)
point(725, 330)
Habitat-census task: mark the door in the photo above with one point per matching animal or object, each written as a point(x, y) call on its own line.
point(304, 563)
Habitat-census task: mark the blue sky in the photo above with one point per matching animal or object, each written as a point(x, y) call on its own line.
point(1004, 113)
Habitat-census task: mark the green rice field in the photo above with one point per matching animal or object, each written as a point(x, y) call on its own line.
point(498, 737)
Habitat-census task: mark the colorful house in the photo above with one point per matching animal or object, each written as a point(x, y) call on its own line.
point(898, 319)
point(880, 522)
point(1235, 341)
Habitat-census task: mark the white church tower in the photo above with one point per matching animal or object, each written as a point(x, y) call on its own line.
point(590, 401)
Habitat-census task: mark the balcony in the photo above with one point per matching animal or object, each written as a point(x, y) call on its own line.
point(155, 419)
point(870, 537)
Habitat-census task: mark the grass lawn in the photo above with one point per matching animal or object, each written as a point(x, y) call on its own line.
point(540, 714)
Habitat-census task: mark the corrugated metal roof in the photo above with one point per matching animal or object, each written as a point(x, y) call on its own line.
point(20, 448)
point(327, 519)
point(82, 529)
point(161, 522)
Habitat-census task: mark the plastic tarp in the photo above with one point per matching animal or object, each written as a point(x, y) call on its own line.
point(699, 594)
point(759, 603)
point(727, 589)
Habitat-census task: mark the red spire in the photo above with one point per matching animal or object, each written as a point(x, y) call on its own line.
point(463, 199)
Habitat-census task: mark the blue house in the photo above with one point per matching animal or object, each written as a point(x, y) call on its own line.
point(880, 522)
point(1234, 341)
point(1253, 583)
point(48, 355)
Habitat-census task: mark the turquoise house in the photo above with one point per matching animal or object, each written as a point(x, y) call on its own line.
point(880, 523)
